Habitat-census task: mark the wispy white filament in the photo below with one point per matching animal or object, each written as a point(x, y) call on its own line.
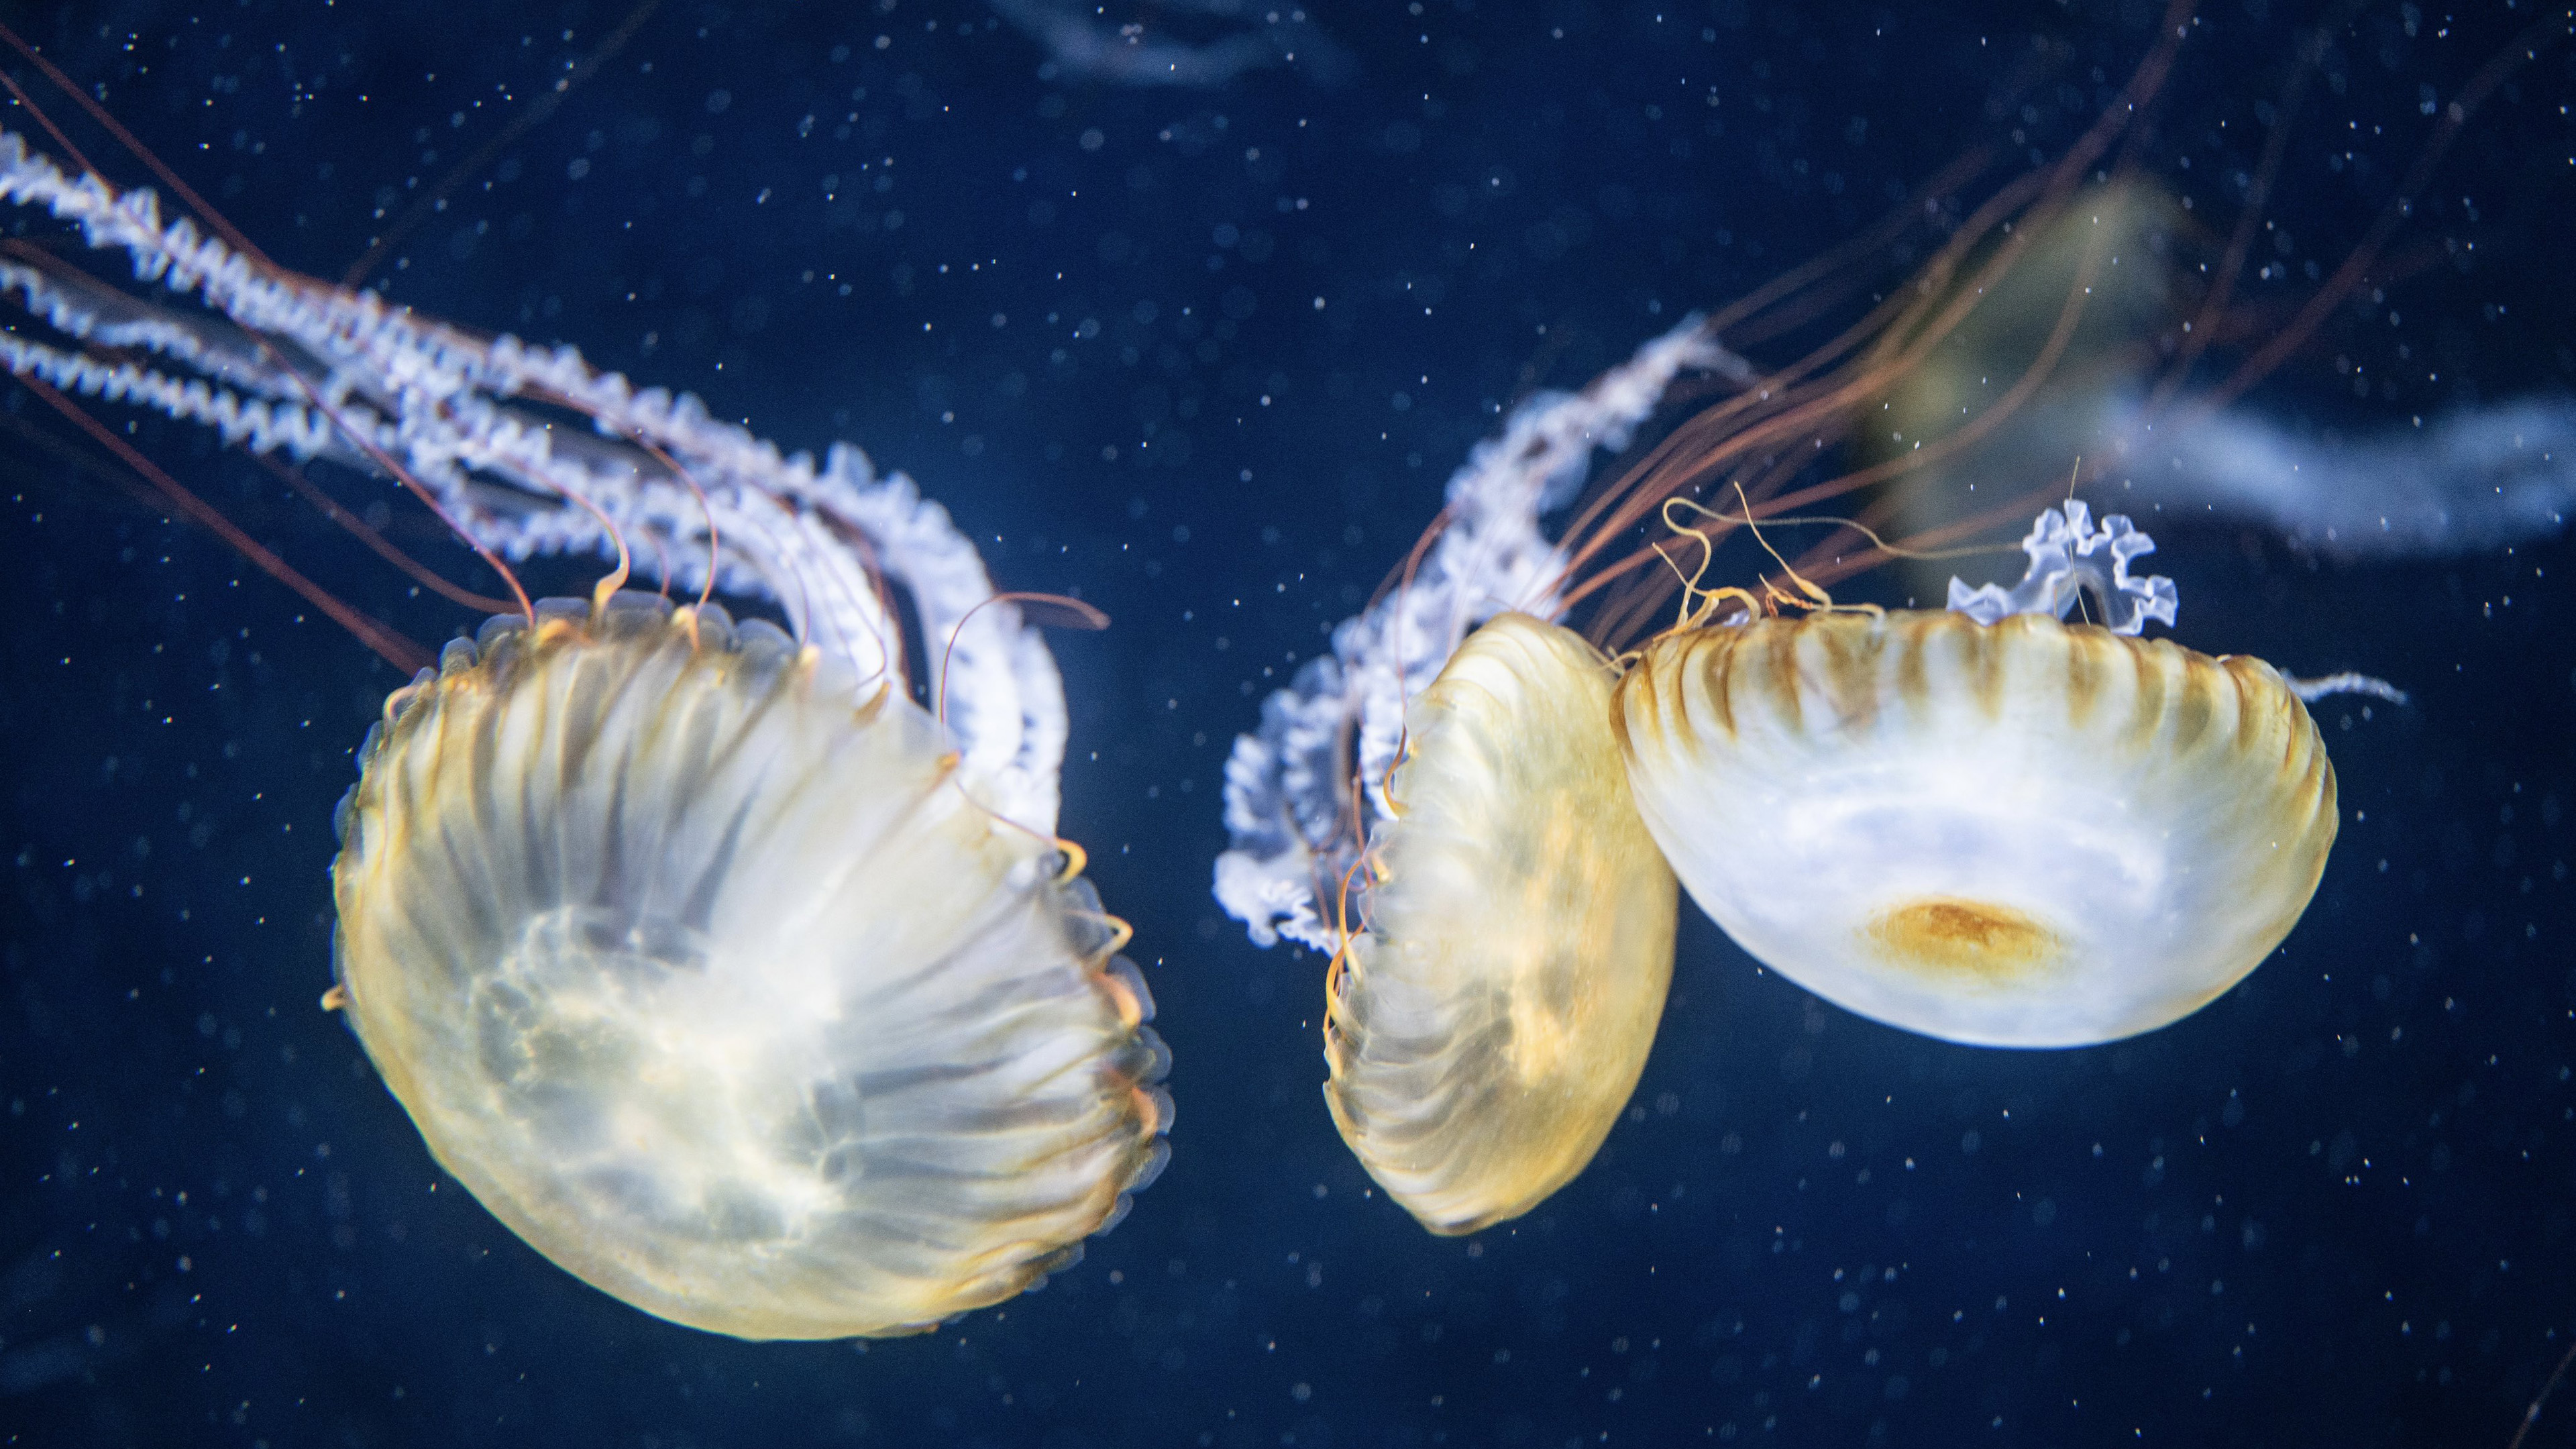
point(1287, 802)
point(285, 363)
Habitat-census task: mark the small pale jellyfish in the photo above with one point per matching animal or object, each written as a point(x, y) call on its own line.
point(732, 979)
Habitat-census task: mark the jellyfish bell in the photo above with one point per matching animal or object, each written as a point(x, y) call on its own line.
point(1984, 824)
point(1438, 804)
point(1486, 1027)
point(694, 963)
point(734, 980)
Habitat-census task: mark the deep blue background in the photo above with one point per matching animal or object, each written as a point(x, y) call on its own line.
point(2332, 1207)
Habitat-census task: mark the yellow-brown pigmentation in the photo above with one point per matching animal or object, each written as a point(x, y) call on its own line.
point(2030, 833)
point(699, 968)
point(1974, 941)
point(1487, 1027)
point(2088, 665)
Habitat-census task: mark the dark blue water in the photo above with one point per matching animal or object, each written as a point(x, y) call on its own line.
point(1205, 356)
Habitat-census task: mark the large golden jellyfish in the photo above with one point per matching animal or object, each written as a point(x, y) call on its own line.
point(2014, 821)
point(732, 979)
point(695, 963)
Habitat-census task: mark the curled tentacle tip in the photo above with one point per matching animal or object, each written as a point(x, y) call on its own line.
point(1120, 933)
point(1075, 858)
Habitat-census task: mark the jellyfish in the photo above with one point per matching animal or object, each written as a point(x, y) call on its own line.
point(1537, 1023)
point(1080, 43)
point(2463, 479)
point(1990, 823)
point(2468, 480)
point(732, 979)
point(1982, 823)
point(755, 1018)
point(1486, 1025)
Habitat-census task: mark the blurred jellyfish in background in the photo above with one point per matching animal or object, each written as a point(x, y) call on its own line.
point(2474, 478)
point(1197, 44)
point(2013, 822)
point(730, 977)
point(2467, 481)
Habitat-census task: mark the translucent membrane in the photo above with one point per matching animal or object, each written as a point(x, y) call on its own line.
point(2026, 834)
point(722, 993)
point(1492, 1020)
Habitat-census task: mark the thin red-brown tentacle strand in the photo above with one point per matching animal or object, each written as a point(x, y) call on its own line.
point(396, 650)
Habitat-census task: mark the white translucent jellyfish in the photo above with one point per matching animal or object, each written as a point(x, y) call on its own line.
point(1984, 824)
point(1459, 794)
point(733, 980)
